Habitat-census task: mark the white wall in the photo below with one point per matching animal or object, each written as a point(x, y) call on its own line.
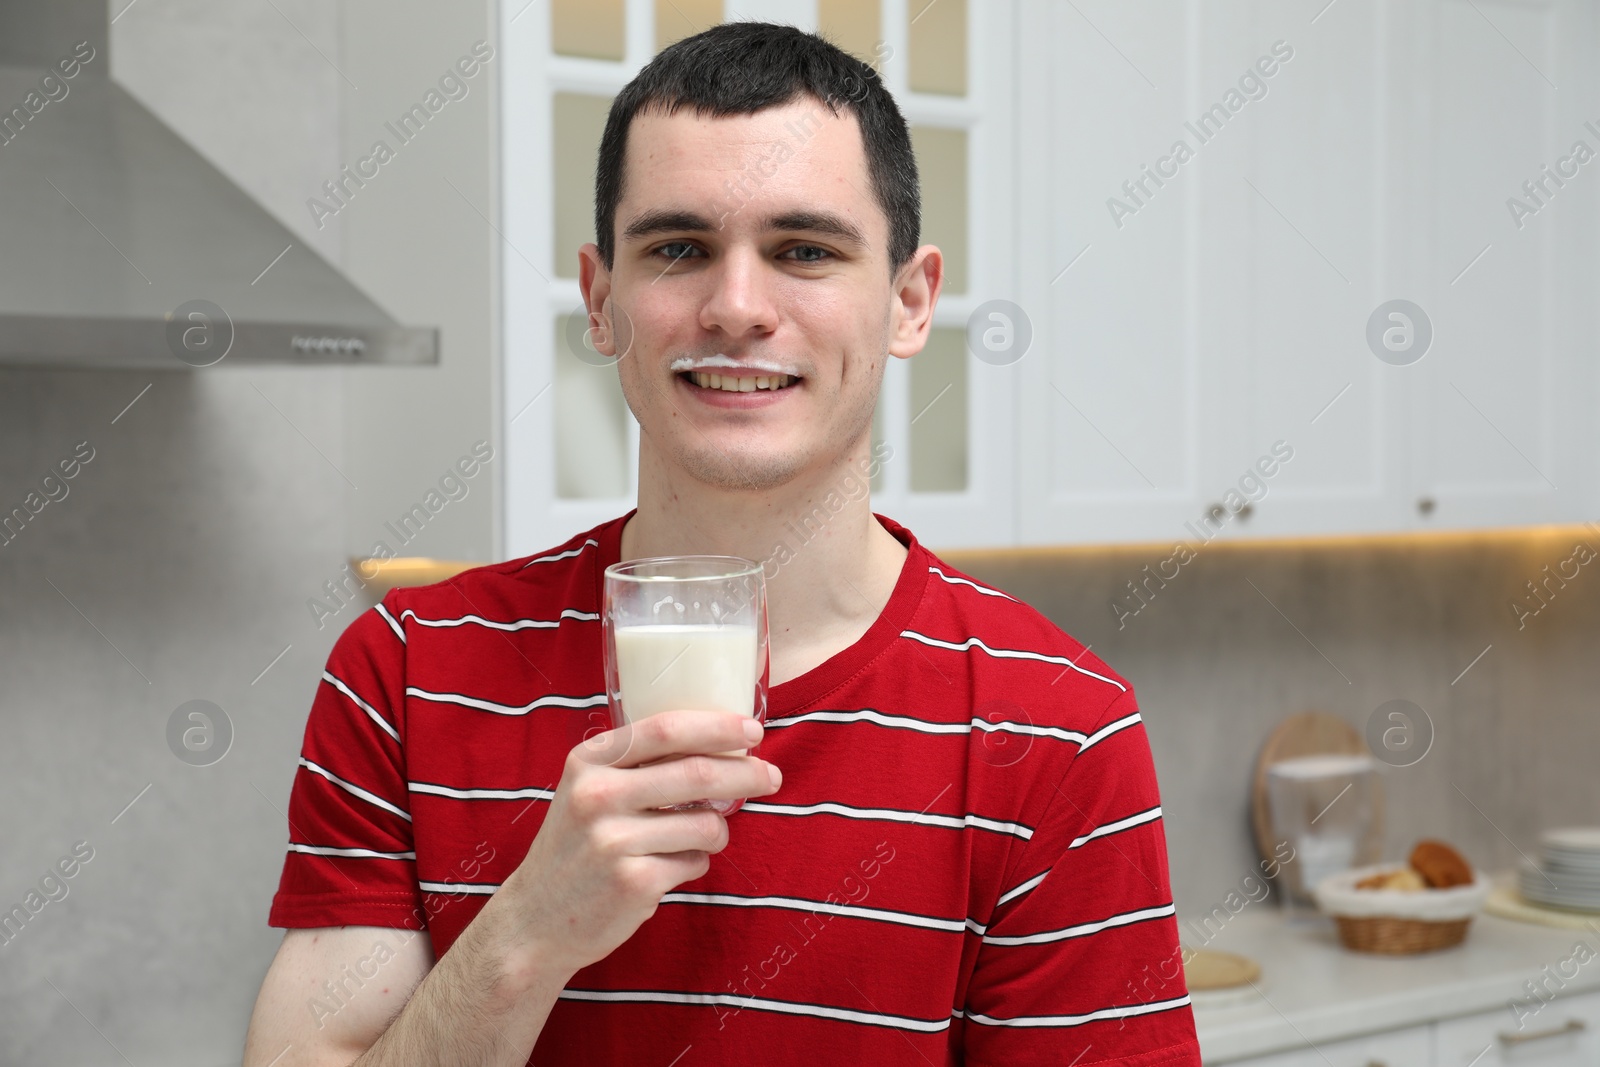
point(179, 565)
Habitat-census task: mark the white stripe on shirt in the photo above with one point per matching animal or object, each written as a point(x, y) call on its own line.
point(452, 888)
point(553, 701)
point(963, 581)
point(900, 918)
point(1012, 894)
point(393, 625)
point(353, 789)
point(352, 853)
point(362, 704)
point(955, 822)
point(789, 1007)
point(899, 722)
point(1083, 929)
point(903, 918)
point(1008, 653)
point(513, 624)
point(1110, 728)
point(892, 815)
point(560, 555)
point(1131, 821)
point(481, 794)
point(903, 722)
point(1122, 1011)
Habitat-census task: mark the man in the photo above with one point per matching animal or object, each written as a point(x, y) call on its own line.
point(951, 850)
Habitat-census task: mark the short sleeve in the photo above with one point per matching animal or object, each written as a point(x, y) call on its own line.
point(1080, 961)
point(351, 858)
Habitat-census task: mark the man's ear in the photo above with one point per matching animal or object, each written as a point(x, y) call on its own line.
point(916, 291)
point(594, 282)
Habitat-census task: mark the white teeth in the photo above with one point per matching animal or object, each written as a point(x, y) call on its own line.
point(733, 384)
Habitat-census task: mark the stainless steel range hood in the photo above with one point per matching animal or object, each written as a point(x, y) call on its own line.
point(120, 246)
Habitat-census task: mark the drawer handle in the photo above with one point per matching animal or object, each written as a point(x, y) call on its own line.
point(1568, 1027)
point(1376, 1063)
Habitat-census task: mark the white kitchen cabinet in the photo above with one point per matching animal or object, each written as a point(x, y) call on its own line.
point(1311, 203)
point(1383, 173)
point(1410, 1047)
point(1504, 408)
point(1565, 1032)
point(1195, 329)
point(1210, 313)
point(1119, 389)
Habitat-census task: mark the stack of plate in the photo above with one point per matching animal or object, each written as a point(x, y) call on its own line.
point(1568, 872)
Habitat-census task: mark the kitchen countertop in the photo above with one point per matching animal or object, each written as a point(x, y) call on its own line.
point(1312, 989)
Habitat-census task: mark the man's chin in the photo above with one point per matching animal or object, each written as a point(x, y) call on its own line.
point(740, 472)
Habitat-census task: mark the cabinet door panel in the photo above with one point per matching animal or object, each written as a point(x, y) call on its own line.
point(1496, 443)
point(1564, 1032)
point(1111, 443)
point(1412, 1047)
point(1319, 227)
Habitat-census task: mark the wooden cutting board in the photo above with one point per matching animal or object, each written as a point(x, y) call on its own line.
point(1310, 733)
point(1208, 968)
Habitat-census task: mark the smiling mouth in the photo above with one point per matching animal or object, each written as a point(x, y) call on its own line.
point(745, 383)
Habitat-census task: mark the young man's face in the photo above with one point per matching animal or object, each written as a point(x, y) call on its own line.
point(755, 240)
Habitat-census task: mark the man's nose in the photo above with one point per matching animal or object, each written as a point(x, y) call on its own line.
point(743, 297)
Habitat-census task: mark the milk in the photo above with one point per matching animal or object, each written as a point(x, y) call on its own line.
point(662, 668)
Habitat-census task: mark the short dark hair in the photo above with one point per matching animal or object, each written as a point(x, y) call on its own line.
point(740, 68)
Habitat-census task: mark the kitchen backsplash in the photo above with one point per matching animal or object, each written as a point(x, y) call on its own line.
point(1493, 636)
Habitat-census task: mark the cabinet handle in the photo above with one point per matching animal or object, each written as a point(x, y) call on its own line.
point(1426, 504)
point(1244, 513)
point(1376, 1063)
point(1568, 1027)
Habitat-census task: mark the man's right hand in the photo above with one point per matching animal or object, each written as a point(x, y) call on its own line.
point(605, 854)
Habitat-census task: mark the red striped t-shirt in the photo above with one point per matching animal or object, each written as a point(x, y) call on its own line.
point(965, 864)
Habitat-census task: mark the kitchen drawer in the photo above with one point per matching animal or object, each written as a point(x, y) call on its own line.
point(1410, 1047)
point(1563, 1033)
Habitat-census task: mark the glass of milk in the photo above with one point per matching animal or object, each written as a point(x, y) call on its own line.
point(686, 632)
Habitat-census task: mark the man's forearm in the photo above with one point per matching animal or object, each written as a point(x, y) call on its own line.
point(482, 1005)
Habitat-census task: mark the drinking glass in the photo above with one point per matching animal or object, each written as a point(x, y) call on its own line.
point(686, 632)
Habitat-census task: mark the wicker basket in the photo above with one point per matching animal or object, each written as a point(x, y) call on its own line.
point(1395, 922)
point(1399, 937)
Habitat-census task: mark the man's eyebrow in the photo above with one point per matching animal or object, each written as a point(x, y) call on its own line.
point(824, 222)
point(665, 220)
point(670, 220)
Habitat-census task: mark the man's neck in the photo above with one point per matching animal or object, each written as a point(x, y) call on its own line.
point(829, 572)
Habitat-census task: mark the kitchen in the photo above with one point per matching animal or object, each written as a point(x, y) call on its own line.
point(1195, 438)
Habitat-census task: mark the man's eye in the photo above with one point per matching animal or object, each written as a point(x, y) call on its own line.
point(675, 250)
point(823, 252)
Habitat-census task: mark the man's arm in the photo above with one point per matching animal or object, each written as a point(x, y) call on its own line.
point(1080, 960)
point(484, 1003)
point(296, 1016)
point(598, 867)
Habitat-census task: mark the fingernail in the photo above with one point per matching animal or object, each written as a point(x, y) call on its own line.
point(752, 730)
point(775, 774)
